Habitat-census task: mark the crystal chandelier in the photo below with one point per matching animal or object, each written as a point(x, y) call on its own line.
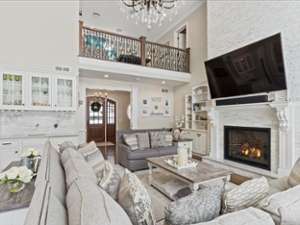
point(150, 12)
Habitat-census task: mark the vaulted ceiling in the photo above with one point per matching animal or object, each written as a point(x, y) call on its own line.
point(107, 15)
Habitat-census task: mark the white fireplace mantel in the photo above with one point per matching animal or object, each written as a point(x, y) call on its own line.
point(275, 115)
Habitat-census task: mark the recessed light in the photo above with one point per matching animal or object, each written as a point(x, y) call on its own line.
point(163, 82)
point(106, 76)
point(96, 14)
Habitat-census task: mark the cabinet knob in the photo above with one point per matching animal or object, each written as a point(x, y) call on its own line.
point(198, 135)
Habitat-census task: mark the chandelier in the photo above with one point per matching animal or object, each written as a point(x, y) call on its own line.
point(150, 11)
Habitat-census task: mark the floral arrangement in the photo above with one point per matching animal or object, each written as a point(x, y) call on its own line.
point(16, 178)
point(30, 153)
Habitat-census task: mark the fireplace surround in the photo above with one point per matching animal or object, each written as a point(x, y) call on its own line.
point(248, 145)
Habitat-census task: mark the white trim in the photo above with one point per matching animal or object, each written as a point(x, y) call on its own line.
point(132, 70)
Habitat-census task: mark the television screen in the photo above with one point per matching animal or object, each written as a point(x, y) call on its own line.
point(255, 68)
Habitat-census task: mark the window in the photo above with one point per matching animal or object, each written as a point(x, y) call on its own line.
point(110, 113)
point(95, 117)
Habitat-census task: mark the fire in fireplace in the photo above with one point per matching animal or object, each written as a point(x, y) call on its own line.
point(248, 145)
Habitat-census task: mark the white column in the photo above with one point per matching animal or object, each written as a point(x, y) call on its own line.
point(214, 129)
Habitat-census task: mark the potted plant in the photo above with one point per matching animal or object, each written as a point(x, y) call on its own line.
point(16, 178)
point(30, 158)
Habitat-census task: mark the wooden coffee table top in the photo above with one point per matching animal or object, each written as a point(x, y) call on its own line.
point(203, 172)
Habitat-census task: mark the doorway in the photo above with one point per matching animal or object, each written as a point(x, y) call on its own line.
point(106, 113)
point(181, 37)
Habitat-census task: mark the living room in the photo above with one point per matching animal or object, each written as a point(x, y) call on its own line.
point(114, 112)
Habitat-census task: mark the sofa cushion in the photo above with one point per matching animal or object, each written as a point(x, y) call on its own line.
point(109, 179)
point(200, 206)
point(294, 177)
point(87, 204)
point(248, 194)
point(131, 141)
point(250, 216)
point(143, 154)
point(143, 140)
point(276, 202)
point(135, 200)
point(169, 150)
point(56, 174)
point(76, 167)
point(45, 208)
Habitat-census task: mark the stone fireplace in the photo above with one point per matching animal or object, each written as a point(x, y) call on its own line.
point(248, 145)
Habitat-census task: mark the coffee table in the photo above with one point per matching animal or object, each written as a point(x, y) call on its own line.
point(198, 177)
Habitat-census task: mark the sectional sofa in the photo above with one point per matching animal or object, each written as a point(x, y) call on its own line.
point(70, 196)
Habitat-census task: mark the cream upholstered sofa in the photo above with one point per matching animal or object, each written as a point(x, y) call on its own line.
point(88, 204)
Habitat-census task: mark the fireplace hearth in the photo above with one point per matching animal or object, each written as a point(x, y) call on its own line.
point(248, 145)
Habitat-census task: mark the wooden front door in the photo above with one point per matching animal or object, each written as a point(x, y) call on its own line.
point(102, 122)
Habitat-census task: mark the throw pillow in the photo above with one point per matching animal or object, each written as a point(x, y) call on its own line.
point(248, 194)
point(200, 206)
point(67, 144)
point(168, 139)
point(294, 177)
point(88, 204)
point(108, 179)
point(92, 154)
point(135, 200)
point(157, 139)
point(131, 141)
point(76, 167)
point(143, 140)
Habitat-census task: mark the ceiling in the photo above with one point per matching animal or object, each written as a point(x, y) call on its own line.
point(107, 15)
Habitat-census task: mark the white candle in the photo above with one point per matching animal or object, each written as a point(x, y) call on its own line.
point(182, 156)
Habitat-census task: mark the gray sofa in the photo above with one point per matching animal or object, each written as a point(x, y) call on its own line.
point(136, 160)
point(66, 194)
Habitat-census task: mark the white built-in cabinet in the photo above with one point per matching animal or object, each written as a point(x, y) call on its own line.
point(36, 91)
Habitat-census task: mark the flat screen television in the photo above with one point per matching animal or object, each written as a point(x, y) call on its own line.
point(255, 68)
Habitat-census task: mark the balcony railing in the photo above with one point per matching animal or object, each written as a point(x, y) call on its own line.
point(105, 45)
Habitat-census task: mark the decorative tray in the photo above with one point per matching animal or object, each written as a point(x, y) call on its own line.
point(173, 163)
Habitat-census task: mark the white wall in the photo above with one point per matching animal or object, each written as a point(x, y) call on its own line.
point(197, 32)
point(233, 24)
point(39, 35)
point(138, 92)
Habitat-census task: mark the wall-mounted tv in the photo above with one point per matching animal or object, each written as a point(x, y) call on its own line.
point(255, 68)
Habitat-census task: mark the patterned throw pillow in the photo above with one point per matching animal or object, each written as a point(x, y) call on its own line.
point(143, 140)
point(108, 178)
point(131, 141)
point(248, 194)
point(67, 144)
point(294, 177)
point(92, 154)
point(157, 138)
point(200, 206)
point(135, 200)
point(168, 139)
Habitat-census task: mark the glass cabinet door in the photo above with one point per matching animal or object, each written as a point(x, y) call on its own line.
point(64, 93)
point(12, 89)
point(40, 91)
